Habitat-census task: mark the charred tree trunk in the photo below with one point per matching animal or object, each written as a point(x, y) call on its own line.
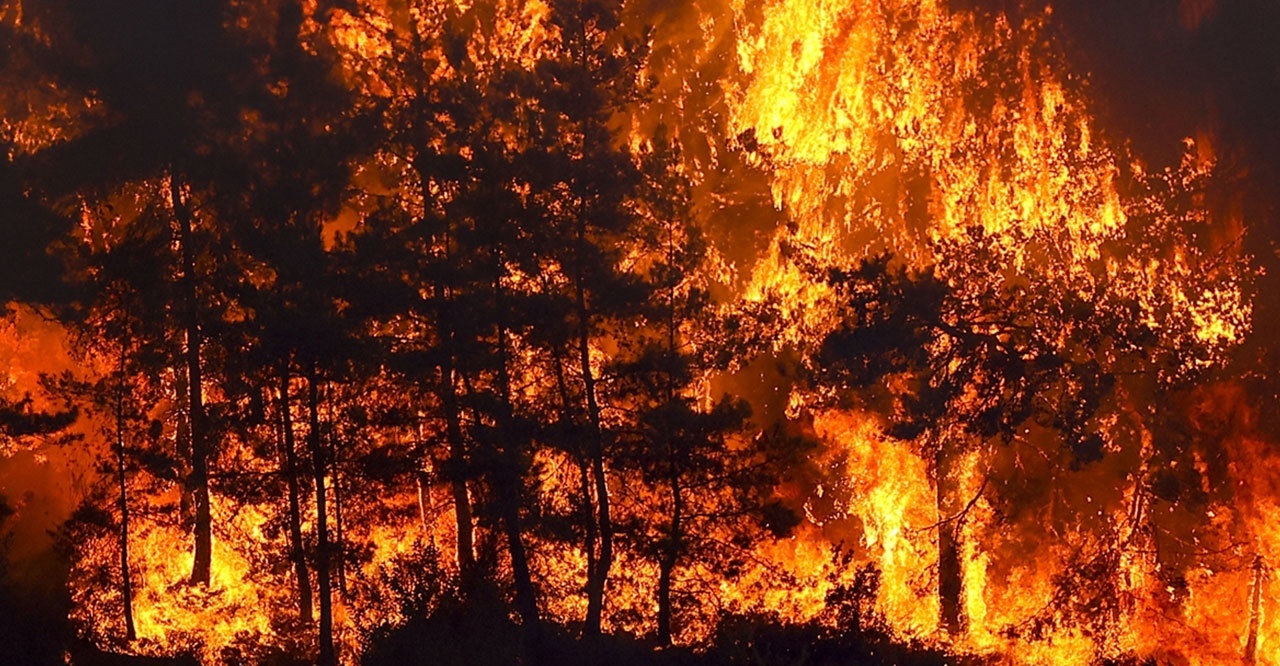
point(458, 466)
point(675, 542)
point(670, 557)
point(585, 505)
point(126, 583)
point(327, 656)
point(297, 551)
point(1255, 613)
point(510, 483)
point(598, 579)
point(950, 574)
point(510, 498)
point(203, 535)
point(447, 391)
point(421, 481)
point(339, 545)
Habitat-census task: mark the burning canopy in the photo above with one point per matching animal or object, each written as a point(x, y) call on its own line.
point(654, 320)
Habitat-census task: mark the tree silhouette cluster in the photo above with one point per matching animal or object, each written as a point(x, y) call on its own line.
point(521, 315)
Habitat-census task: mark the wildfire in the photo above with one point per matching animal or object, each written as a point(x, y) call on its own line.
point(902, 127)
point(457, 336)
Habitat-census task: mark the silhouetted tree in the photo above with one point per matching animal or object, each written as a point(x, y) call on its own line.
point(161, 123)
point(589, 180)
point(289, 175)
point(701, 461)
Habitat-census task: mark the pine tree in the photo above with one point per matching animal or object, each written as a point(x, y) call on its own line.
point(702, 461)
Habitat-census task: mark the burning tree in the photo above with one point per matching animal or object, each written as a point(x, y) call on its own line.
point(1043, 289)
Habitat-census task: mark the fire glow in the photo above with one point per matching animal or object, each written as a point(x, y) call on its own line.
point(676, 325)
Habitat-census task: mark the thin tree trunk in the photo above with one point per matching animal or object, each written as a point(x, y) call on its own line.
point(668, 563)
point(510, 499)
point(597, 582)
point(509, 496)
point(950, 574)
point(203, 556)
point(420, 480)
point(126, 584)
point(458, 465)
point(675, 543)
point(327, 656)
point(585, 505)
point(297, 552)
point(1255, 613)
point(339, 537)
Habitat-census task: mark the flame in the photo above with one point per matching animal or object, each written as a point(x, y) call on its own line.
point(900, 126)
point(903, 126)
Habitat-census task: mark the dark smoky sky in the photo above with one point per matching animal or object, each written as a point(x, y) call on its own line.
point(1164, 69)
point(1161, 70)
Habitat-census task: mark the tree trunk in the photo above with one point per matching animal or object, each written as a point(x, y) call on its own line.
point(509, 496)
point(458, 466)
point(950, 574)
point(669, 558)
point(126, 584)
point(585, 504)
point(676, 537)
point(339, 546)
point(327, 657)
point(509, 481)
point(420, 480)
point(1255, 613)
point(597, 581)
point(203, 555)
point(297, 551)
